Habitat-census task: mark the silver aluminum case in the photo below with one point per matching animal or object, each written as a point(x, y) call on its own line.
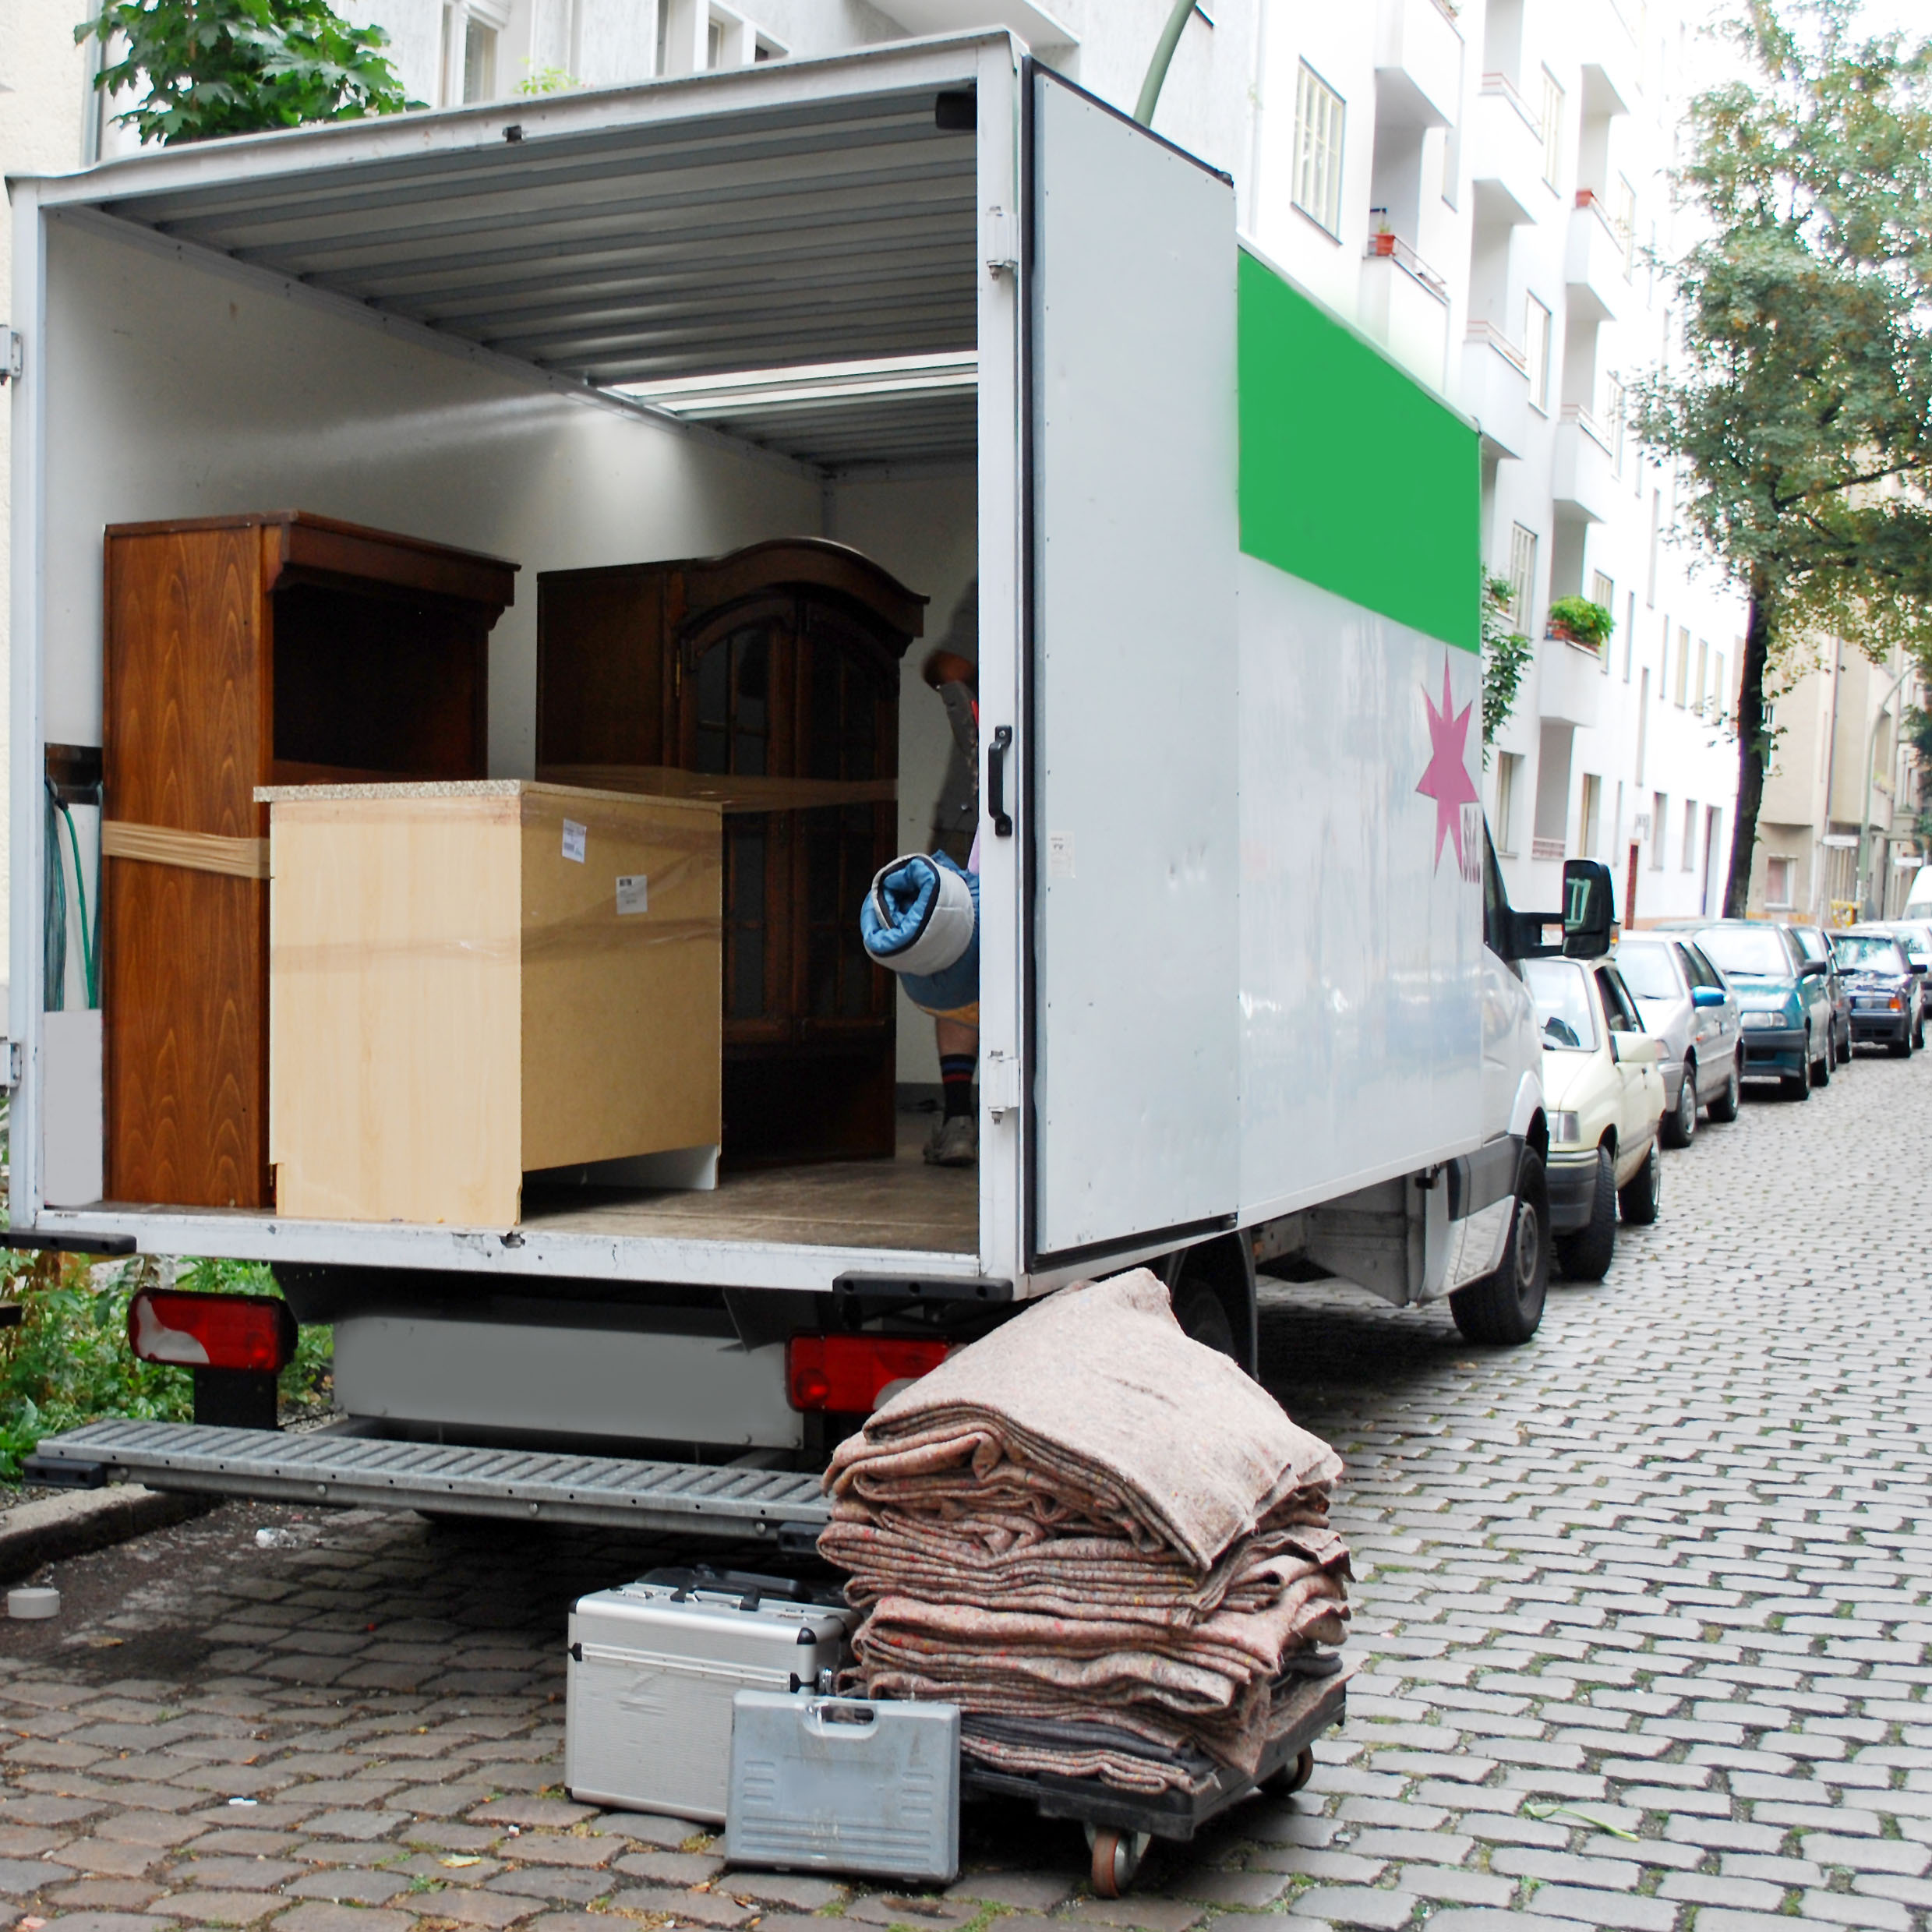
point(651, 1677)
point(813, 1789)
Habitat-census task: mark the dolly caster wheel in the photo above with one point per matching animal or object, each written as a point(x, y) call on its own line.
point(1290, 1778)
point(1117, 1856)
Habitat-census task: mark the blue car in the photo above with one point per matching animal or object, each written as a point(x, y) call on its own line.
point(1784, 1000)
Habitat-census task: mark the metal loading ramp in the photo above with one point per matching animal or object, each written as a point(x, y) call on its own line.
point(368, 1471)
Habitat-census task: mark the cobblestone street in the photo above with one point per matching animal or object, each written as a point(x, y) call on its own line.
point(1642, 1626)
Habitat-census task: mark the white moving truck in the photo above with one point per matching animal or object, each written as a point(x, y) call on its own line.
point(1238, 1011)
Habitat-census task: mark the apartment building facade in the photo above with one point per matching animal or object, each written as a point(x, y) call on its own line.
point(1478, 185)
point(1844, 781)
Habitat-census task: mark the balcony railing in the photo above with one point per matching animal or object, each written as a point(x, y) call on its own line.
point(1619, 231)
point(1575, 412)
point(1391, 247)
point(1488, 332)
point(1501, 85)
point(1546, 848)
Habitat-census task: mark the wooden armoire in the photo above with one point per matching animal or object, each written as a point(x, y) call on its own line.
point(276, 648)
point(774, 672)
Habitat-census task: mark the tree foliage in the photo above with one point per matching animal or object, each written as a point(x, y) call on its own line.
point(201, 68)
point(1802, 409)
point(1506, 657)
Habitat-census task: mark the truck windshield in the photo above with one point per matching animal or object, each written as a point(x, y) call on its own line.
point(1562, 1003)
point(1747, 949)
point(1647, 973)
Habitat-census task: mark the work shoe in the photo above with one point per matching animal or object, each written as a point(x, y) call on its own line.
point(955, 1142)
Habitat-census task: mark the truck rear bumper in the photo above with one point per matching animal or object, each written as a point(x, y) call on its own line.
point(356, 1470)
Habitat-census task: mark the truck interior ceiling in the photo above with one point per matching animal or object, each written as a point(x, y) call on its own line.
point(639, 461)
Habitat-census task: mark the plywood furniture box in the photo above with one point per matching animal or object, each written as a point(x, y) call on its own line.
point(468, 983)
point(241, 652)
point(776, 671)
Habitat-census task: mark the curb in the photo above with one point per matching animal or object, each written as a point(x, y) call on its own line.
point(59, 1527)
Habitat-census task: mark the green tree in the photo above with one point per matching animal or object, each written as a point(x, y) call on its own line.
point(1506, 656)
point(203, 68)
point(1800, 410)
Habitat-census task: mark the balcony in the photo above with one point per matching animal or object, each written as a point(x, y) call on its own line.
point(1419, 64)
point(1569, 684)
point(1596, 261)
point(1506, 156)
point(1583, 484)
point(1496, 389)
point(1403, 305)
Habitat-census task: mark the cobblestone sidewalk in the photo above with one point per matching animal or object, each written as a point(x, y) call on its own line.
point(1642, 1614)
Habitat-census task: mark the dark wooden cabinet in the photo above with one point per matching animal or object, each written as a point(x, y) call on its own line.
point(245, 650)
point(775, 670)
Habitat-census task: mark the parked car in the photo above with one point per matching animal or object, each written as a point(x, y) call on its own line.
point(1603, 1097)
point(1887, 990)
point(1689, 1010)
point(1783, 1001)
point(1815, 943)
point(1915, 935)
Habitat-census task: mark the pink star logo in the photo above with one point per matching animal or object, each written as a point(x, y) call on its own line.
point(1447, 780)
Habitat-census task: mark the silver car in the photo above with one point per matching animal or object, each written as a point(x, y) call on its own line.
point(1686, 1004)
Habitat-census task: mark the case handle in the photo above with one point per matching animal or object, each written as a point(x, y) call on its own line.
point(996, 781)
point(833, 1717)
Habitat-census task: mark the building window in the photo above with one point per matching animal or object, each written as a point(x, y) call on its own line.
point(1522, 576)
point(1629, 634)
point(1319, 116)
point(1604, 592)
point(1613, 406)
point(1777, 884)
point(1682, 693)
point(1656, 530)
point(1552, 130)
point(471, 36)
point(1690, 834)
point(479, 59)
point(1720, 698)
point(1536, 352)
point(1659, 820)
point(1509, 769)
point(1704, 670)
point(1592, 814)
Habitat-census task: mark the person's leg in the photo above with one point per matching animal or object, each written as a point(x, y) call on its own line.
point(956, 1138)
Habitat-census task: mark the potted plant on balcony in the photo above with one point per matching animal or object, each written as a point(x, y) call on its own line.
point(1577, 620)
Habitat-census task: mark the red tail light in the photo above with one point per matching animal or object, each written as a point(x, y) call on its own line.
point(847, 1374)
point(211, 1331)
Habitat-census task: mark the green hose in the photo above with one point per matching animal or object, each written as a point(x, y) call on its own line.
point(1157, 67)
point(90, 936)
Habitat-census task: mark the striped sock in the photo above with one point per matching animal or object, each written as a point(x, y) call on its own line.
point(956, 1069)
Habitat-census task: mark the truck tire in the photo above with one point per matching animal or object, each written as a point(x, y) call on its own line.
point(1506, 1307)
point(1198, 1309)
point(1680, 1123)
point(1586, 1254)
point(1638, 1197)
point(1212, 1289)
point(1724, 1108)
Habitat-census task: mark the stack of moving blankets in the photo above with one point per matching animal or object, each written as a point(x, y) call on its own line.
point(1100, 1539)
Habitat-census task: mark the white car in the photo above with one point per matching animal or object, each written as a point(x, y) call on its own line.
point(1604, 1096)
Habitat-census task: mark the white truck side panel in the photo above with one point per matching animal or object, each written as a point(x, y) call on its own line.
point(1360, 940)
point(1134, 824)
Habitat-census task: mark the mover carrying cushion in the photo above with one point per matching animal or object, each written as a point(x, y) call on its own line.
point(653, 1668)
point(840, 1784)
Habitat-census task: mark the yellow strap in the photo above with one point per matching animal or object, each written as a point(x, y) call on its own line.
point(196, 851)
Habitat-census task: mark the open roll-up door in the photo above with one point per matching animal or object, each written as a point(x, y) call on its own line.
point(1133, 537)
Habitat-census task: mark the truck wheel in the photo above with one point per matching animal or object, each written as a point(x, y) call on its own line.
point(1680, 1123)
point(1198, 1309)
point(1639, 1195)
point(1586, 1254)
point(1724, 1108)
point(1506, 1307)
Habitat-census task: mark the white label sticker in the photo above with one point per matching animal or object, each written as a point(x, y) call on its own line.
point(574, 835)
point(634, 894)
point(1059, 855)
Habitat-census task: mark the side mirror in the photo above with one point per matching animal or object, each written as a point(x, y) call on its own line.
point(1814, 969)
point(1589, 909)
point(1918, 966)
point(1707, 996)
point(1635, 1050)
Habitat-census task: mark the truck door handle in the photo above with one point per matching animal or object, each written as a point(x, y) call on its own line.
point(996, 781)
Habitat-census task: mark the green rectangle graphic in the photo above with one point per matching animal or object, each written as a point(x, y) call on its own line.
point(1353, 476)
